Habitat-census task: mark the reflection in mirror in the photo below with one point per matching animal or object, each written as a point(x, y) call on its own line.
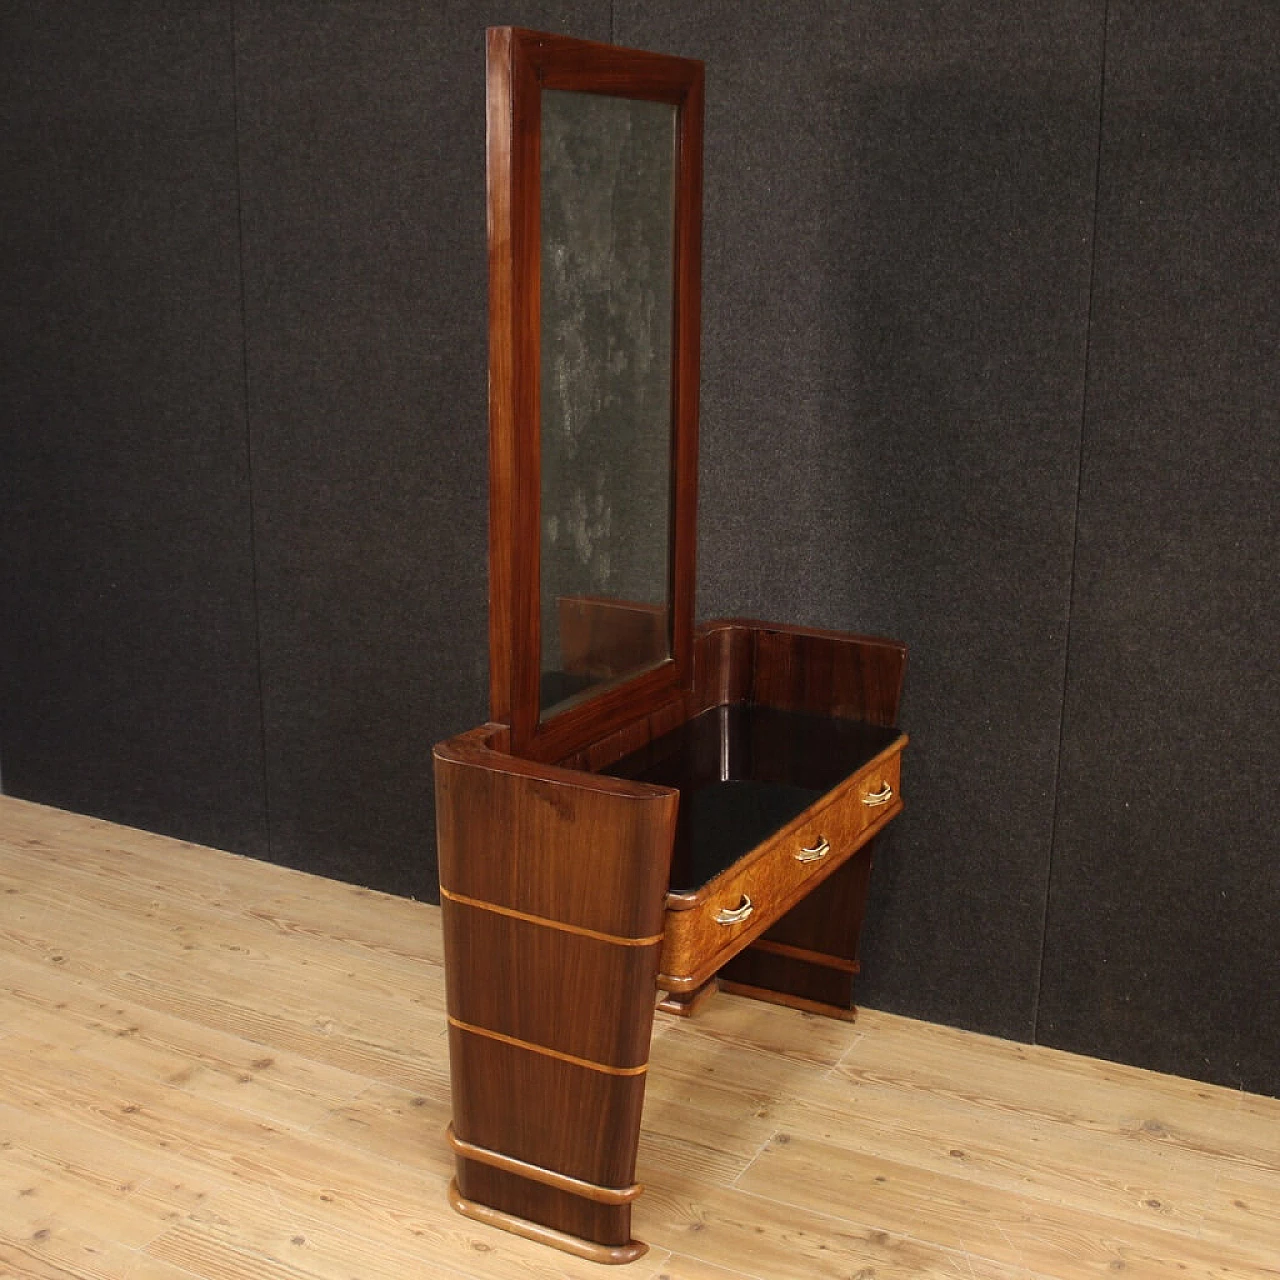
point(608, 215)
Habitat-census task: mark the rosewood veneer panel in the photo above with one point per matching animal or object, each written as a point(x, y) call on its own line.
point(587, 1219)
point(521, 837)
point(857, 677)
point(531, 1106)
point(494, 963)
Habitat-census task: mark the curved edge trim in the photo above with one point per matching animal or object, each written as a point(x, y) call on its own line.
point(545, 922)
point(589, 1249)
point(474, 749)
point(536, 1173)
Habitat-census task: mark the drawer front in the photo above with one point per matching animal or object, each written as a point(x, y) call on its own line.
point(743, 901)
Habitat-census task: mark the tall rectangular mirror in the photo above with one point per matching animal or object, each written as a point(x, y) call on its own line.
point(607, 297)
point(595, 223)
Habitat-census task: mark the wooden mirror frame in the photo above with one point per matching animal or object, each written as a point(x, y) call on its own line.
point(520, 65)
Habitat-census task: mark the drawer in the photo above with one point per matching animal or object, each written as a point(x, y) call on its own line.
point(705, 929)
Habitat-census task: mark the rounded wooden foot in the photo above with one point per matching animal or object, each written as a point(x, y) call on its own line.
point(588, 1249)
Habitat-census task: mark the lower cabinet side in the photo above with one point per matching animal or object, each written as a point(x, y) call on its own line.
point(552, 888)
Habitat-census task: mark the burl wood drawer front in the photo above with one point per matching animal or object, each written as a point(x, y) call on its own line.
point(705, 929)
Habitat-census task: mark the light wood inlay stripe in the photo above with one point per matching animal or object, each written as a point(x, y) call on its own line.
point(549, 1053)
point(549, 924)
point(536, 1173)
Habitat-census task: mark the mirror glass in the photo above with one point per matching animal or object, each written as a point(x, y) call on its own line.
point(608, 226)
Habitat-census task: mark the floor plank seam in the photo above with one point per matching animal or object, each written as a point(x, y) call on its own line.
point(760, 1150)
point(849, 1048)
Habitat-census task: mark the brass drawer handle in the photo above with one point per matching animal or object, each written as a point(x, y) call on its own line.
point(883, 796)
point(819, 851)
point(737, 914)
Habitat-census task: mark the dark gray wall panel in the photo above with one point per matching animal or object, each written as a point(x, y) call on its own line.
point(129, 680)
point(362, 132)
point(898, 209)
point(1162, 936)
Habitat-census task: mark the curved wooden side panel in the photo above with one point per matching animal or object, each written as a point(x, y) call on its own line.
point(831, 673)
point(552, 888)
point(580, 849)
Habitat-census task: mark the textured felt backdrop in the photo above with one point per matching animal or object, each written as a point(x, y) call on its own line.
point(1163, 941)
point(129, 679)
point(989, 366)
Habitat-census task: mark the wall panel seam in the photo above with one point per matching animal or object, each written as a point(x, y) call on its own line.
point(234, 30)
point(1054, 821)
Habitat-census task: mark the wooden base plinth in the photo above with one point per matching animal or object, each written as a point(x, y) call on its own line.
point(684, 1004)
point(588, 1249)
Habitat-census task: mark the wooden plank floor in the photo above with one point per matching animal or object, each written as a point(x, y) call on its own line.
point(212, 1067)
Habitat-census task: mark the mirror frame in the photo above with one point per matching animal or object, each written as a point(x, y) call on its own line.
point(520, 65)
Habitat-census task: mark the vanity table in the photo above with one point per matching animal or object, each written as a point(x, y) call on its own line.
point(654, 807)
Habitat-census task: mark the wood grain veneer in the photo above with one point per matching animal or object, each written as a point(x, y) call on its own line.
point(558, 923)
point(604, 638)
point(490, 953)
point(827, 672)
point(552, 884)
point(519, 835)
point(805, 668)
point(773, 877)
point(574, 1223)
point(526, 1104)
point(811, 954)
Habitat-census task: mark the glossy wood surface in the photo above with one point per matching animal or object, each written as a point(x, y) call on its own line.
point(604, 638)
point(517, 834)
point(546, 1111)
point(493, 946)
point(520, 64)
point(551, 888)
point(809, 958)
point(737, 660)
point(806, 668)
point(744, 772)
point(590, 1224)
